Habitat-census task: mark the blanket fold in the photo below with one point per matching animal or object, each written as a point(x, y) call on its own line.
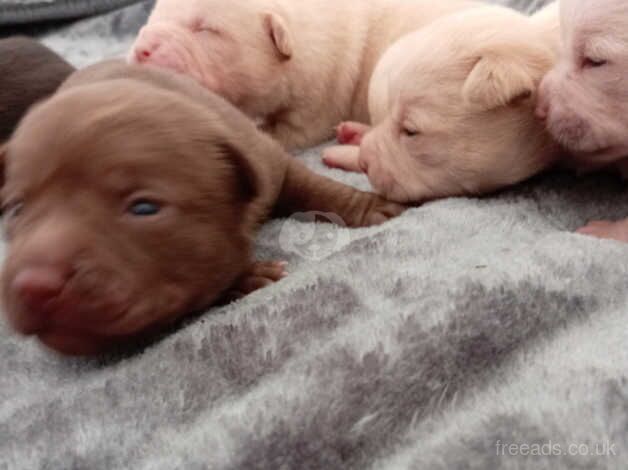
point(466, 334)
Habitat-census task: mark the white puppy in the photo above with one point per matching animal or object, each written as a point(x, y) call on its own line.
point(301, 67)
point(453, 108)
point(584, 99)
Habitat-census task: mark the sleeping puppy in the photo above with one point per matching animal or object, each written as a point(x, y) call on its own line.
point(453, 115)
point(584, 99)
point(29, 71)
point(132, 196)
point(298, 77)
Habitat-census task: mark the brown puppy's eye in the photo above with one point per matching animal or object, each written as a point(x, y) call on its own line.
point(591, 63)
point(143, 208)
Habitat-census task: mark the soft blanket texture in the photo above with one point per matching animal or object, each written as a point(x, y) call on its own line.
point(468, 333)
point(27, 11)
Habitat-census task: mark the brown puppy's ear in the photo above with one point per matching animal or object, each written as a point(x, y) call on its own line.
point(277, 30)
point(499, 80)
point(248, 184)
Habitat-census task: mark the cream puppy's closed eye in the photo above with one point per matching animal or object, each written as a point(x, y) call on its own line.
point(298, 76)
point(584, 98)
point(453, 116)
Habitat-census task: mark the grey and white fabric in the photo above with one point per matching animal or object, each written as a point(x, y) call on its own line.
point(466, 334)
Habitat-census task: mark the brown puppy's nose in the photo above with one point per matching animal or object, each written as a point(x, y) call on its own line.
point(36, 286)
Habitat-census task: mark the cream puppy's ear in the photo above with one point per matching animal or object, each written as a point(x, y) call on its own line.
point(498, 80)
point(278, 32)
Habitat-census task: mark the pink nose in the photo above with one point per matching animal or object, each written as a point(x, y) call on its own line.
point(36, 286)
point(144, 52)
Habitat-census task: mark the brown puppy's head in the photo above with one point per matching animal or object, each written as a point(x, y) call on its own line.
point(237, 51)
point(124, 208)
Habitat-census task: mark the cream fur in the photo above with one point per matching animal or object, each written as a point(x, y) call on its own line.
point(455, 116)
point(271, 59)
point(584, 99)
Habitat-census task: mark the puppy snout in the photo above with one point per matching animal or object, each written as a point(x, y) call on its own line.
point(145, 49)
point(36, 286)
point(157, 48)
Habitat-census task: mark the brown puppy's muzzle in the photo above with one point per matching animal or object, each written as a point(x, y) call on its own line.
point(52, 281)
point(34, 291)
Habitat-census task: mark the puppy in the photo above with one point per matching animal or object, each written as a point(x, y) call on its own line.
point(584, 99)
point(132, 197)
point(453, 107)
point(29, 71)
point(300, 68)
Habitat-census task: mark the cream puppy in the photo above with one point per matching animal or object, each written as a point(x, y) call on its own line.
point(584, 99)
point(300, 67)
point(453, 108)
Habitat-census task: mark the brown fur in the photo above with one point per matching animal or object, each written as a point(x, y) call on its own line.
point(114, 134)
point(29, 71)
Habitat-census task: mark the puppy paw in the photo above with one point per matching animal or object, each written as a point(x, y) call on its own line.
point(261, 274)
point(381, 210)
point(343, 157)
point(606, 229)
point(351, 133)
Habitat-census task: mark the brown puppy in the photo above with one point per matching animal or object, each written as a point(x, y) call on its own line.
point(29, 71)
point(132, 197)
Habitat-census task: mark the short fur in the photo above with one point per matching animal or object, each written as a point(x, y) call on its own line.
point(584, 99)
point(453, 107)
point(82, 272)
point(29, 71)
point(298, 76)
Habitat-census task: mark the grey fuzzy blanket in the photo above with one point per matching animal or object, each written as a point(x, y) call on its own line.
point(467, 334)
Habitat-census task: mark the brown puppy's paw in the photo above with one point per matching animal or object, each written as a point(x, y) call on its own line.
point(606, 229)
point(379, 211)
point(351, 133)
point(261, 274)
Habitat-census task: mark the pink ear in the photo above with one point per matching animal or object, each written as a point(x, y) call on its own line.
point(276, 28)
